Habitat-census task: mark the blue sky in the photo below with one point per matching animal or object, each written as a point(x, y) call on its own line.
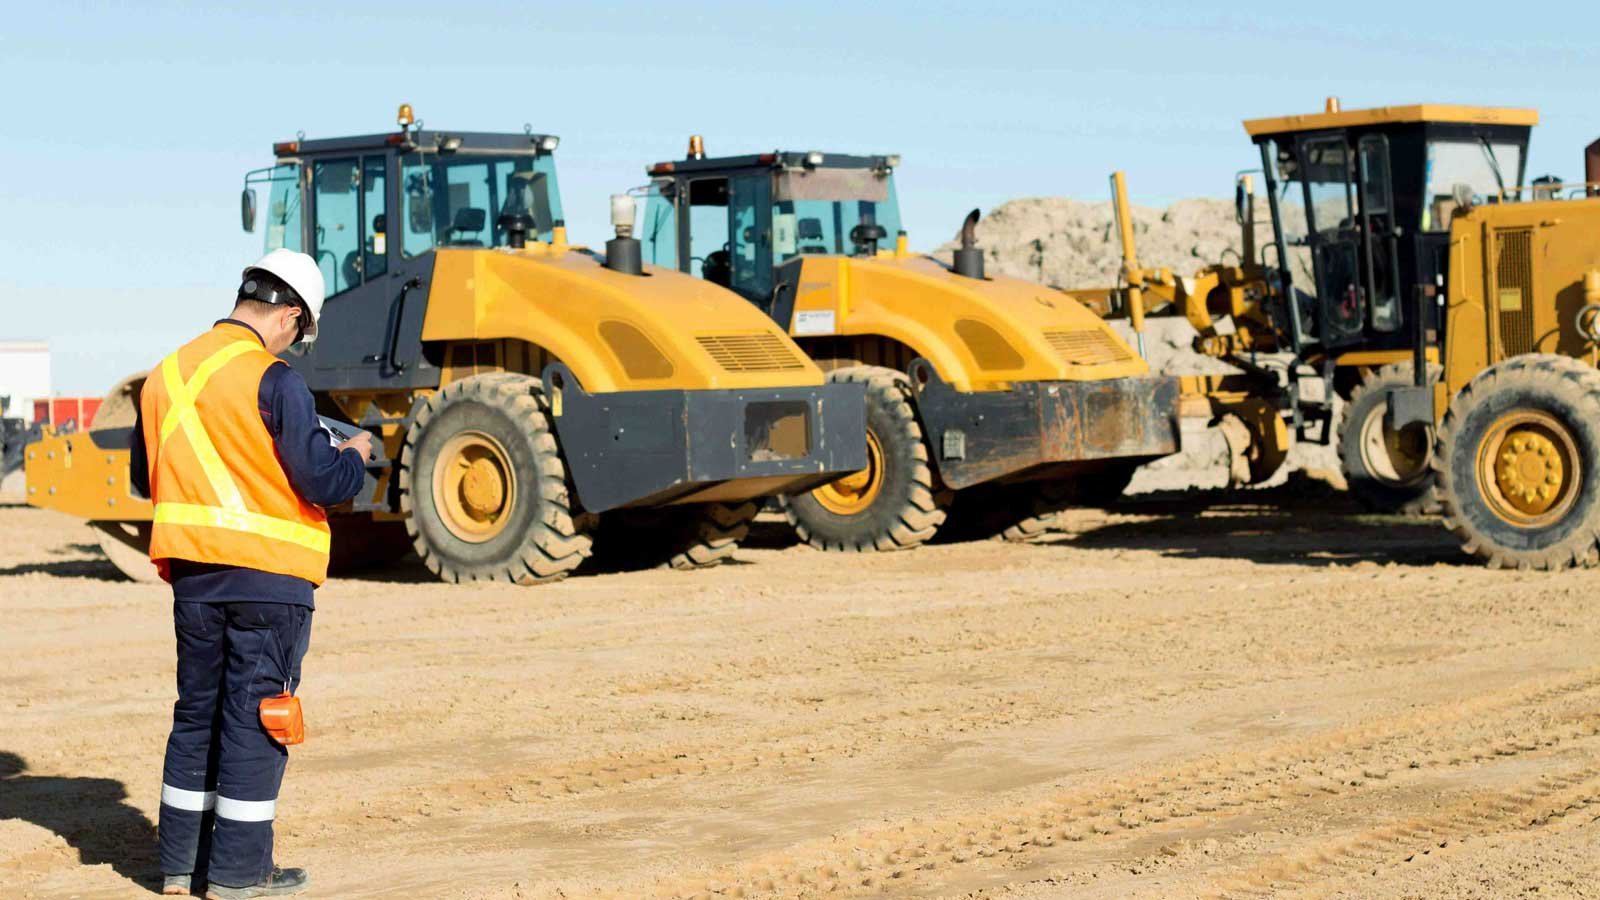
point(127, 127)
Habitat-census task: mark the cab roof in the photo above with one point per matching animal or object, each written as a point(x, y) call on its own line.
point(778, 159)
point(480, 141)
point(1393, 115)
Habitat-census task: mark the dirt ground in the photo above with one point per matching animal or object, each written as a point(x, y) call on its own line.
point(1195, 696)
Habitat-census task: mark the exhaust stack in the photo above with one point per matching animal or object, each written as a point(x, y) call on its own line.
point(623, 252)
point(968, 258)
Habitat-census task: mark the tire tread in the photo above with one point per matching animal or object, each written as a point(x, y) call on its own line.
point(1555, 372)
point(921, 511)
point(554, 545)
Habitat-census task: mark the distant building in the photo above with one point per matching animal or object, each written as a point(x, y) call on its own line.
point(24, 375)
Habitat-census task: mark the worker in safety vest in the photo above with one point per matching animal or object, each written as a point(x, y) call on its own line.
point(239, 469)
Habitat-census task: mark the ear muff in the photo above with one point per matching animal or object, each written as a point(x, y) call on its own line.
point(270, 290)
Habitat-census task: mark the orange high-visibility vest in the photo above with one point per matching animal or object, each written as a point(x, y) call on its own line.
point(221, 495)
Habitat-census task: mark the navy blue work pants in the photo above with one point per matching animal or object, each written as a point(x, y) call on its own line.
point(219, 790)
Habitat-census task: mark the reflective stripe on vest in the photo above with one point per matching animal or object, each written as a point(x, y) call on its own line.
point(242, 520)
point(231, 514)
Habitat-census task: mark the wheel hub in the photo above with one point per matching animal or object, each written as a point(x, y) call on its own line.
point(1529, 468)
point(474, 486)
point(483, 490)
point(854, 493)
point(1529, 471)
point(1398, 456)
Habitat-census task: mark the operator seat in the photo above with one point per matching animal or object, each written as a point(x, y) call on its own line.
point(810, 229)
point(469, 219)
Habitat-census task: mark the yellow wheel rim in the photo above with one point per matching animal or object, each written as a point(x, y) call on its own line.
point(854, 493)
point(1397, 457)
point(1528, 465)
point(474, 486)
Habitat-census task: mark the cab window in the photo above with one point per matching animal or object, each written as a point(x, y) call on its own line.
point(728, 243)
point(1294, 213)
point(349, 196)
point(283, 221)
point(1327, 174)
point(1466, 171)
point(374, 205)
point(708, 230)
point(658, 230)
point(457, 199)
point(336, 187)
point(803, 227)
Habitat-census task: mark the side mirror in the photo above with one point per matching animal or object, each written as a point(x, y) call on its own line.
point(1240, 199)
point(247, 210)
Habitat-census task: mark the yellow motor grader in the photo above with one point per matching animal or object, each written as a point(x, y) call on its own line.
point(1349, 282)
point(992, 400)
point(1455, 306)
point(535, 400)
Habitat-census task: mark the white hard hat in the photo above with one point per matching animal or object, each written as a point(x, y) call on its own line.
point(299, 272)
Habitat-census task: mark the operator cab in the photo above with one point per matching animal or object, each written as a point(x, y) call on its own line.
point(1361, 205)
point(372, 209)
point(748, 222)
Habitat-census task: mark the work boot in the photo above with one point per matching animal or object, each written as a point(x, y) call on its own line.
point(279, 883)
point(175, 885)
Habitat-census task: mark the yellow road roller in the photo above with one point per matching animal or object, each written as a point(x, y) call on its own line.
point(991, 401)
point(537, 401)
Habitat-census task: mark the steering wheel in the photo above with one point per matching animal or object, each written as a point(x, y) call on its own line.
point(717, 267)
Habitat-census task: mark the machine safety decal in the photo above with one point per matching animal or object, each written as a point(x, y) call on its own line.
point(813, 321)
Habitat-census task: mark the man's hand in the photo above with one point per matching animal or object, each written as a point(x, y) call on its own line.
point(362, 443)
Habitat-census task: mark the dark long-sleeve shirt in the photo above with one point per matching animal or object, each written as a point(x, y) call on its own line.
point(318, 473)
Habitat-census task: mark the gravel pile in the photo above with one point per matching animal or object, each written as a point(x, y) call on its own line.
point(1070, 243)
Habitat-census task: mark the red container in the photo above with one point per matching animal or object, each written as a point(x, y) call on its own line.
point(58, 410)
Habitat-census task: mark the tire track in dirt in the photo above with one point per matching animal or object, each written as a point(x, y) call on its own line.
point(972, 654)
point(1549, 799)
point(826, 654)
point(812, 746)
point(869, 860)
point(825, 647)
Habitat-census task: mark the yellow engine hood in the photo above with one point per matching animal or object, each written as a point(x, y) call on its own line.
point(979, 334)
point(662, 330)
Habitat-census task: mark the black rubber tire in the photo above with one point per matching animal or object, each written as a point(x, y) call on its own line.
point(1043, 501)
point(1039, 503)
point(1104, 486)
point(1377, 491)
point(908, 510)
point(1018, 513)
point(693, 536)
point(1566, 390)
point(542, 542)
point(717, 529)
